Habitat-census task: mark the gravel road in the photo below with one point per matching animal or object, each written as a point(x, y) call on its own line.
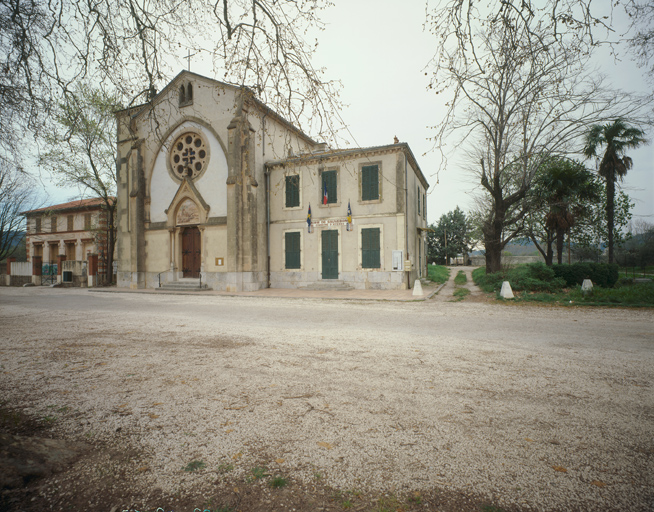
point(534, 407)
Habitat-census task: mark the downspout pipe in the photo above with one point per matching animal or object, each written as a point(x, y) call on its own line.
point(267, 181)
point(267, 174)
point(406, 217)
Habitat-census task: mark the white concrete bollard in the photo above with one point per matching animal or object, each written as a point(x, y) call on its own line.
point(417, 288)
point(506, 292)
point(586, 286)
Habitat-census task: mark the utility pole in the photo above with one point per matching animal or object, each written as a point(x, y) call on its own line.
point(447, 257)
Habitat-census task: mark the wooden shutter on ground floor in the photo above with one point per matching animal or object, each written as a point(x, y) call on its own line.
point(292, 249)
point(370, 248)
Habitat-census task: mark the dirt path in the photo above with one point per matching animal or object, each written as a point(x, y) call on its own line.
point(446, 294)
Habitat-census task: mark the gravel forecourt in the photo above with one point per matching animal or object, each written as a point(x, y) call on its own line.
point(530, 408)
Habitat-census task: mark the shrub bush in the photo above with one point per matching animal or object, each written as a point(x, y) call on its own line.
point(530, 277)
point(601, 274)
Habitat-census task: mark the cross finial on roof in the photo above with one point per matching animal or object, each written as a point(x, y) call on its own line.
point(188, 57)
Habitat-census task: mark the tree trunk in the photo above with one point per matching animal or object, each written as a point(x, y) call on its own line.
point(548, 253)
point(493, 238)
point(610, 206)
point(493, 255)
point(560, 238)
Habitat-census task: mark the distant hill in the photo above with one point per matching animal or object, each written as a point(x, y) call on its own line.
point(20, 242)
point(526, 248)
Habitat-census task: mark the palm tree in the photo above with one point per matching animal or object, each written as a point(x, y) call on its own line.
point(563, 186)
point(616, 138)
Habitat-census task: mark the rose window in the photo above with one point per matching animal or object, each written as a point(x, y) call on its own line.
point(189, 155)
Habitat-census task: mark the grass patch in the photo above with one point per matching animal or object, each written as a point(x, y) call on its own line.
point(259, 472)
point(536, 283)
point(460, 278)
point(225, 468)
point(529, 277)
point(193, 466)
point(278, 482)
point(387, 504)
point(640, 294)
point(438, 273)
point(461, 293)
point(491, 508)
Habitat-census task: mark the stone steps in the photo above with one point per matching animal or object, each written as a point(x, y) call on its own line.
point(328, 285)
point(186, 284)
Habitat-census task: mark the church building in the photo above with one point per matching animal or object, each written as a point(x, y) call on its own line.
point(216, 187)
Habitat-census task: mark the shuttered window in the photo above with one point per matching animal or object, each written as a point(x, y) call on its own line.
point(69, 221)
point(292, 247)
point(329, 183)
point(369, 182)
point(37, 228)
point(292, 191)
point(53, 224)
point(370, 248)
point(419, 201)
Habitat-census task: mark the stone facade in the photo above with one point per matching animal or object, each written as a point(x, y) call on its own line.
point(202, 183)
point(67, 232)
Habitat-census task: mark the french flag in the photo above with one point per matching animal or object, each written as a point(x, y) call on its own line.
point(324, 192)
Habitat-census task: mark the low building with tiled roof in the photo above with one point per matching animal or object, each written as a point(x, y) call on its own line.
point(67, 231)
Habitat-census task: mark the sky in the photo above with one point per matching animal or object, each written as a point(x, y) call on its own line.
point(380, 54)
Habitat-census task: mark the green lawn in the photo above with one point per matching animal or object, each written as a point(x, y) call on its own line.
point(438, 273)
point(528, 288)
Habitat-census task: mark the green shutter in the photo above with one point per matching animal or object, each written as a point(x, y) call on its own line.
point(329, 178)
point(370, 248)
point(369, 183)
point(418, 194)
point(292, 248)
point(292, 191)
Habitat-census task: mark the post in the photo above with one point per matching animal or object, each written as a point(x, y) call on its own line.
point(92, 270)
point(37, 270)
point(9, 262)
point(60, 260)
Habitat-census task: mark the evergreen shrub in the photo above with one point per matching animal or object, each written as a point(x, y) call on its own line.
point(529, 277)
point(601, 274)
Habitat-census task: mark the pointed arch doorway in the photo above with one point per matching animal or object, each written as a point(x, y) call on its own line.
point(191, 252)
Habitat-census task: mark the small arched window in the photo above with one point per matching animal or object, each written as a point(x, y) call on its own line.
point(185, 94)
point(182, 95)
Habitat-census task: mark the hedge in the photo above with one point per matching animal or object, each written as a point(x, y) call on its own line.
point(601, 274)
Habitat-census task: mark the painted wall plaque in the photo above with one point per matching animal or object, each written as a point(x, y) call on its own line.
point(188, 213)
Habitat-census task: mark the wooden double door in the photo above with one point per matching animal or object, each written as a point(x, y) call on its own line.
point(191, 252)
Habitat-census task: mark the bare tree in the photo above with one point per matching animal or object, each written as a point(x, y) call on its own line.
point(641, 39)
point(48, 45)
point(577, 22)
point(521, 92)
point(81, 152)
point(16, 196)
